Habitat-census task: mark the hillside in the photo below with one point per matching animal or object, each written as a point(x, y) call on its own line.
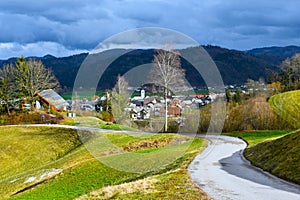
point(235, 66)
point(281, 52)
point(281, 156)
point(52, 163)
point(287, 106)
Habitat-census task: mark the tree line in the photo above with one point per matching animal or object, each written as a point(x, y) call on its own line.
point(20, 81)
point(288, 78)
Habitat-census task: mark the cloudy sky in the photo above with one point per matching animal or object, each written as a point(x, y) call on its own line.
point(66, 27)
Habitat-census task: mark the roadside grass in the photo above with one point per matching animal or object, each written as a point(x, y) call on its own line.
point(82, 121)
point(24, 148)
point(280, 156)
point(254, 137)
point(48, 148)
point(287, 105)
point(95, 122)
point(174, 182)
point(116, 127)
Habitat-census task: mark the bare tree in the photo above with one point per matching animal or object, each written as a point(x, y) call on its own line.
point(32, 76)
point(167, 72)
point(7, 86)
point(290, 76)
point(120, 97)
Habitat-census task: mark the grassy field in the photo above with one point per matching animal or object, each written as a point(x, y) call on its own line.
point(95, 122)
point(287, 105)
point(82, 94)
point(52, 163)
point(254, 137)
point(280, 156)
point(277, 152)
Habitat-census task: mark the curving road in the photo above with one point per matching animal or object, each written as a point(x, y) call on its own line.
point(223, 172)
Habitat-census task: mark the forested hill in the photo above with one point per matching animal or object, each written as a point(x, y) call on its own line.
point(235, 66)
point(282, 52)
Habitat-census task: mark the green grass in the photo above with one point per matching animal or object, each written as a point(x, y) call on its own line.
point(116, 127)
point(287, 105)
point(277, 152)
point(29, 152)
point(82, 94)
point(95, 122)
point(173, 184)
point(82, 121)
point(20, 152)
point(254, 137)
point(280, 156)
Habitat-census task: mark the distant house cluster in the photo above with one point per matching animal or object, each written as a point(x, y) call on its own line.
point(143, 107)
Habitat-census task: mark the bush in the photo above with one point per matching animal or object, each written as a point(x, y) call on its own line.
point(252, 114)
point(106, 116)
point(173, 127)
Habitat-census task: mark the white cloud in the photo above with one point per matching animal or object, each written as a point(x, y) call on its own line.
point(8, 50)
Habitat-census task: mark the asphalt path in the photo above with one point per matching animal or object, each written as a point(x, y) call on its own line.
point(222, 171)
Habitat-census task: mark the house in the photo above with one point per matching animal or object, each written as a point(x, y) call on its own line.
point(139, 113)
point(50, 99)
point(172, 111)
point(148, 100)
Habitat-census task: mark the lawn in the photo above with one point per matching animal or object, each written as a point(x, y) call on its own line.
point(280, 156)
point(287, 105)
point(95, 122)
point(277, 152)
point(56, 165)
point(254, 137)
point(82, 94)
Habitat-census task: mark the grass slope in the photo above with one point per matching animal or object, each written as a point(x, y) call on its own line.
point(281, 156)
point(287, 105)
point(254, 137)
point(30, 154)
point(95, 122)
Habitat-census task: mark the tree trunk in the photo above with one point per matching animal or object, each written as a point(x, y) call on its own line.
point(7, 109)
point(166, 111)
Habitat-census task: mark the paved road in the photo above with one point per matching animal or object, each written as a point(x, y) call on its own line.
point(222, 172)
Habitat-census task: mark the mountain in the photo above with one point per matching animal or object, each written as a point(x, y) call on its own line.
point(65, 68)
point(235, 66)
point(282, 52)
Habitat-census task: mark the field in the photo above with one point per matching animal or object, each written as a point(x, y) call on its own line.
point(95, 122)
point(82, 94)
point(277, 152)
point(280, 156)
point(255, 137)
point(53, 163)
point(287, 105)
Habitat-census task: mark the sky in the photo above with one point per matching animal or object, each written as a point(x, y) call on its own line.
point(67, 27)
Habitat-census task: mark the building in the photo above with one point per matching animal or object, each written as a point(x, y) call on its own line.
point(139, 113)
point(50, 99)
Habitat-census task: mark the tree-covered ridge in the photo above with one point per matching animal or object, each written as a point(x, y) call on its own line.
point(236, 67)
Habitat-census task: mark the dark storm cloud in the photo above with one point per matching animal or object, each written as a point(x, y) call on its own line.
point(77, 24)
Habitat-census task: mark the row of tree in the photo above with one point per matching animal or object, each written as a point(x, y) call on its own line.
point(19, 82)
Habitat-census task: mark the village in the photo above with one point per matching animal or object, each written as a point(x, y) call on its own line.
point(140, 107)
